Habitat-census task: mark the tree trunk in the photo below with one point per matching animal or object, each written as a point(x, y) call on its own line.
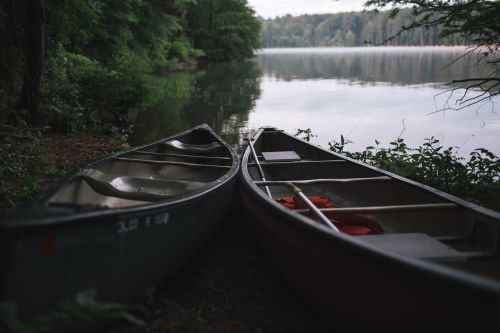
point(34, 49)
point(211, 16)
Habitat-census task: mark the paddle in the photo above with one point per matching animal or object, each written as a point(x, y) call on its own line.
point(293, 188)
point(311, 206)
point(259, 167)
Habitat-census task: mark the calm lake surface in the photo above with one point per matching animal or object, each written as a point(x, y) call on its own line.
point(365, 94)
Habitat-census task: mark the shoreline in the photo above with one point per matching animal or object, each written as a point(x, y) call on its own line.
point(370, 48)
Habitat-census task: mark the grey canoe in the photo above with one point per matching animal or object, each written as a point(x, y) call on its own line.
point(119, 226)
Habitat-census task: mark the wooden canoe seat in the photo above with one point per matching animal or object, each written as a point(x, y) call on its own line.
point(416, 245)
point(280, 156)
point(193, 148)
point(135, 188)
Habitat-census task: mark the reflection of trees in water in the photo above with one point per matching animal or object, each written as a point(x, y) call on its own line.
point(163, 113)
point(221, 95)
point(224, 96)
point(391, 66)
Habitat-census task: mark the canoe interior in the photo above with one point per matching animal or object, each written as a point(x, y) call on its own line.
point(131, 169)
point(462, 228)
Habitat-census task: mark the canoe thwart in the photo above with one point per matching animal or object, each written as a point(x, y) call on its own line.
point(302, 162)
point(415, 245)
point(214, 158)
point(194, 148)
point(194, 165)
point(385, 209)
point(321, 181)
point(134, 188)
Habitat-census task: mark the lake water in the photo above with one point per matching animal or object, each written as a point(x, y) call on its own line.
point(364, 94)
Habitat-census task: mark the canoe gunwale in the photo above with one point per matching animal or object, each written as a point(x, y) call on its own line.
point(480, 284)
point(97, 212)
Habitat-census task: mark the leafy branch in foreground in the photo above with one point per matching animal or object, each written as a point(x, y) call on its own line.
point(307, 134)
point(476, 20)
point(476, 179)
point(67, 316)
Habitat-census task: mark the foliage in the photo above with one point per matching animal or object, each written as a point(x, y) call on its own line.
point(476, 20)
point(101, 55)
point(477, 179)
point(18, 180)
point(67, 316)
point(80, 93)
point(307, 134)
point(11, 62)
point(351, 29)
point(224, 29)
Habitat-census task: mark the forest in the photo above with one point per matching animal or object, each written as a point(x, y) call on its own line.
point(352, 29)
point(85, 64)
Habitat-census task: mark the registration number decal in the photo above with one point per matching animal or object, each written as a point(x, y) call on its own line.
point(133, 223)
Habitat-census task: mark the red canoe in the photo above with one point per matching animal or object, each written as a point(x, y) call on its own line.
point(401, 255)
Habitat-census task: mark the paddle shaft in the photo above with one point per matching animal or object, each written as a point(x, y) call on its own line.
point(325, 220)
point(294, 189)
point(259, 167)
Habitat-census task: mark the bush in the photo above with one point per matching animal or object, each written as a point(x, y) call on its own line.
point(477, 179)
point(80, 93)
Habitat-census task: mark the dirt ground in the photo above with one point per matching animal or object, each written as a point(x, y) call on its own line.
point(70, 151)
point(227, 287)
point(31, 160)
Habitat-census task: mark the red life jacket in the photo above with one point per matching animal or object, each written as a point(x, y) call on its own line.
point(352, 224)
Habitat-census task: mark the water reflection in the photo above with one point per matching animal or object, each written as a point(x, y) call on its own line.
point(220, 95)
point(225, 95)
point(361, 93)
point(368, 94)
point(394, 65)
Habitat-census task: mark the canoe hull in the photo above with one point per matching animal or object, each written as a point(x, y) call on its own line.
point(53, 253)
point(352, 287)
point(118, 256)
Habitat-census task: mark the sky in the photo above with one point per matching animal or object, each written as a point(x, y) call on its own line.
point(270, 8)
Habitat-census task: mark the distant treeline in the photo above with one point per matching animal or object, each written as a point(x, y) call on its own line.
point(350, 29)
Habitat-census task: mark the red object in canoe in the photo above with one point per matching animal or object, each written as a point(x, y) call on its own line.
point(353, 224)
